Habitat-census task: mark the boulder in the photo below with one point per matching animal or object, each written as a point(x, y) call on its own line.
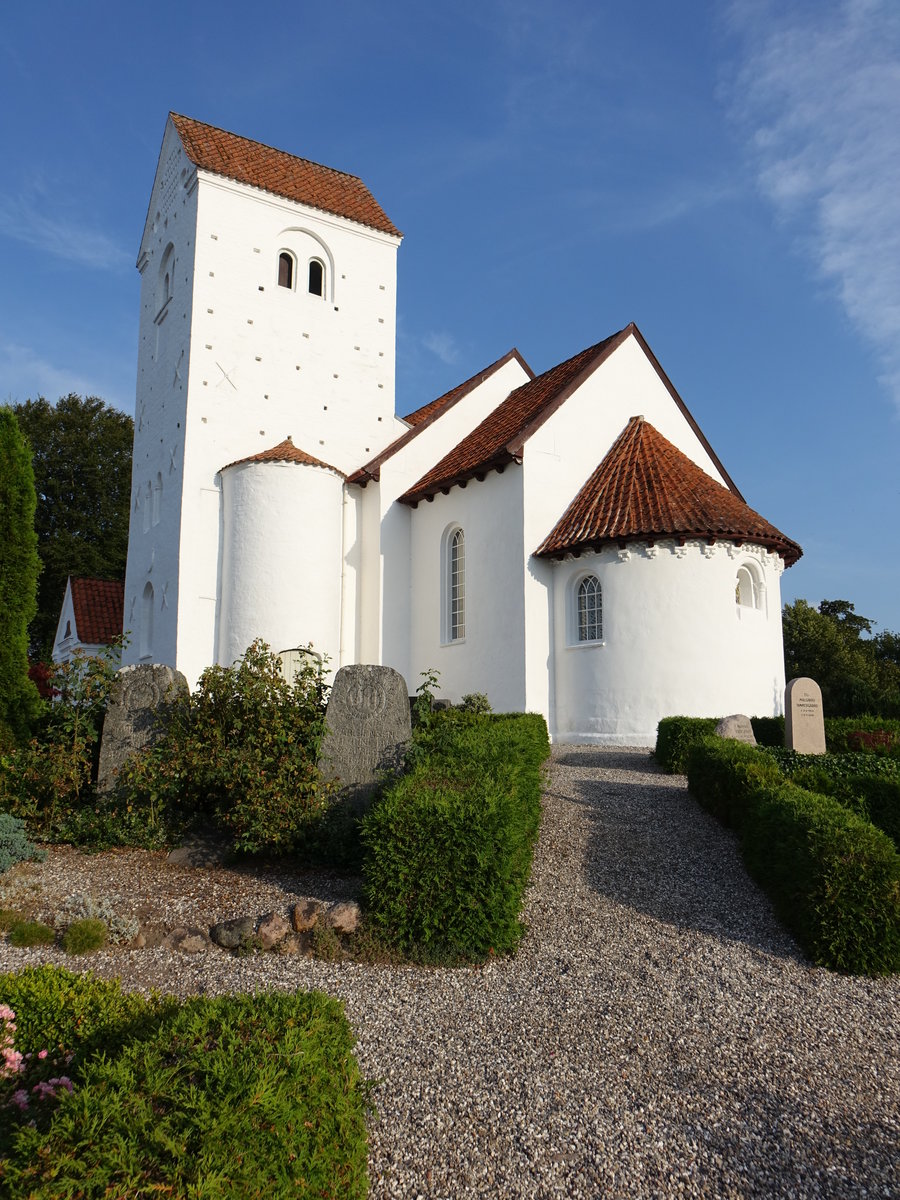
point(272, 929)
point(344, 916)
point(306, 914)
point(738, 728)
point(230, 934)
point(187, 939)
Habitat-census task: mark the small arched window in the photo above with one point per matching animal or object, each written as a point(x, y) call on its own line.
point(157, 498)
point(147, 621)
point(316, 277)
point(748, 589)
point(285, 269)
point(456, 586)
point(166, 284)
point(589, 609)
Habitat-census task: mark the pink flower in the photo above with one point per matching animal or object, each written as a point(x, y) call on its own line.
point(42, 1054)
point(20, 1099)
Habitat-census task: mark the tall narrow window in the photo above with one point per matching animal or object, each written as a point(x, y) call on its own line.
point(590, 610)
point(316, 277)
point(285, 269)
point(456, 577)
point(146, 640)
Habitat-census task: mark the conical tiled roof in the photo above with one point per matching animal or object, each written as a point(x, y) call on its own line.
point(280, 173)
point(285, 451)
point(646, 489)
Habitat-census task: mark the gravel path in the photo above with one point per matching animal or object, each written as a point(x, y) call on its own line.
point(657, 1035)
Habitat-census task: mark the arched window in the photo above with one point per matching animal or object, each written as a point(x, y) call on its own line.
point(316, 277)
point(166, 284)
point(285, 269)
point(589, 609)
point(748, 588)
point(147, 621)
point(456, 586)
point(157, 497)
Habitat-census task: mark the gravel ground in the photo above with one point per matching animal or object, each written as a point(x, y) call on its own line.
point(657, 1035)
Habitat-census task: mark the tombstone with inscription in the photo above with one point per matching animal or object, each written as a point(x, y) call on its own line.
point(804, 723)
point(368, 729)
point(136, 715)
point(738, 727)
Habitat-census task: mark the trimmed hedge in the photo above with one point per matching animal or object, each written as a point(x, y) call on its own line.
point(833, 878)
point(839, 733)
point(674, 738)
point(448, 848)
point(239, 1095)
point(768, 731)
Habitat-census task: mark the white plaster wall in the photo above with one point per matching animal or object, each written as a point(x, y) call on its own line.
point(674, 642)
point(491, 657)
point(164, 341)
point(398, 474)
point(281, 561)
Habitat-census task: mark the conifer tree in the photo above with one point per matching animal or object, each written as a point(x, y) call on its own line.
point(19, 567)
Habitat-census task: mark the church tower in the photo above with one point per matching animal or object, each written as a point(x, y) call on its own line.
point(268, 313)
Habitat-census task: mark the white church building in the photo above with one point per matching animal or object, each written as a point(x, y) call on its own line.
point(567, 543)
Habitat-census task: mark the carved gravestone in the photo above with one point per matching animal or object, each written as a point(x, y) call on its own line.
point(737, 727)
point(136, 715)
point(804, 723)
point(368, 729)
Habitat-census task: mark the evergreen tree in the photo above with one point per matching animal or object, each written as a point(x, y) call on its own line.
point(82, 472)
point(19, 567)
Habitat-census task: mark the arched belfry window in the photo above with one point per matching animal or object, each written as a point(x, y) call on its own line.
point(456, 586)
point(316, 277)
point(285, 269)
point(589, 609)
point(749, 590)
point(166, 282)
point(146, 640)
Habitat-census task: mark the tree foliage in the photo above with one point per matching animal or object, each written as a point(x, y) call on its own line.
point(19, 567)
point(81, 454)
point(857, 673)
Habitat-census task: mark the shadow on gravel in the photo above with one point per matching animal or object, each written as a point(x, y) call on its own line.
point(652, 847)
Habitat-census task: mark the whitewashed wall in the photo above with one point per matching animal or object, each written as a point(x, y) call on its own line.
point(281, 560)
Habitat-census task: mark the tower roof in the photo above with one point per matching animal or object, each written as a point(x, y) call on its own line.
point(280, 173)
point(285, 451)
point(646, 488)
point(99, 606)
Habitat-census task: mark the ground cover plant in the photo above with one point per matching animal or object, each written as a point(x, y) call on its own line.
point(448, 848)
point(833, 877)
point(239, 1095)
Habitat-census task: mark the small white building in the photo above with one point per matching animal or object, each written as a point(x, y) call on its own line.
point(90, 619)
point(567, 543)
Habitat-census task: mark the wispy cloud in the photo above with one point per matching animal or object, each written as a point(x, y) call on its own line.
point(443, 345)
point(818, 93)
point(22, 218)
point(26, 376)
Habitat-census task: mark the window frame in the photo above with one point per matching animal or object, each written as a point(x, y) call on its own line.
point(453, 586)
point(315, 261)
point(290, 258)
point(574, 611)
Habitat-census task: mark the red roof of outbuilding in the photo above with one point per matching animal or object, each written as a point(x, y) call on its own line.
point(99, 608)
point(280, 173)
point(285, 451)
point(646, 488)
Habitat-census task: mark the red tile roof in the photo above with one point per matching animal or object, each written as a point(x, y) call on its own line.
point(99, 608)
point(429, 413)
point(645, 488)
point(280, 173)
point(285, 451)
point(500, 437)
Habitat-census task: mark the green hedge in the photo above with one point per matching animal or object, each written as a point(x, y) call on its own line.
point(839, 733)
point(768, 731)
point(234, 1096)
point(674, 738)
point(448, 848)
point(833, 878)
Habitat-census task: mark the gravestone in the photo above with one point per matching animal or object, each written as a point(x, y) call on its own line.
point(738, 727)
point(136, 715)
point(804, 723)
point(368, 729)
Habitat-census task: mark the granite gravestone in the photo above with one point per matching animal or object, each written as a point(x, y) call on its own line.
point(368, 729)
point(738, 727)
point(804, 723)
point(135, 715)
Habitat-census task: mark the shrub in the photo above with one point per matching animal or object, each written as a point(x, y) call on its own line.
point(674, 738)
point(768, 731)
point(842, 732)
point(833, 877)
point(447, 850)
point(31, 933)
point(240, 1095)
point(81, 906)
point(85, 936)
point(475, 702)
point(243, 751)
point(14, 845)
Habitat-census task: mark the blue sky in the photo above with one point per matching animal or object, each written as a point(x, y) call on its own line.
point(726, 175)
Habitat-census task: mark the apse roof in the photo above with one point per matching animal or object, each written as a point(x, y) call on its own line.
point(285, 451)
point(646, 488)
point(280, 173)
